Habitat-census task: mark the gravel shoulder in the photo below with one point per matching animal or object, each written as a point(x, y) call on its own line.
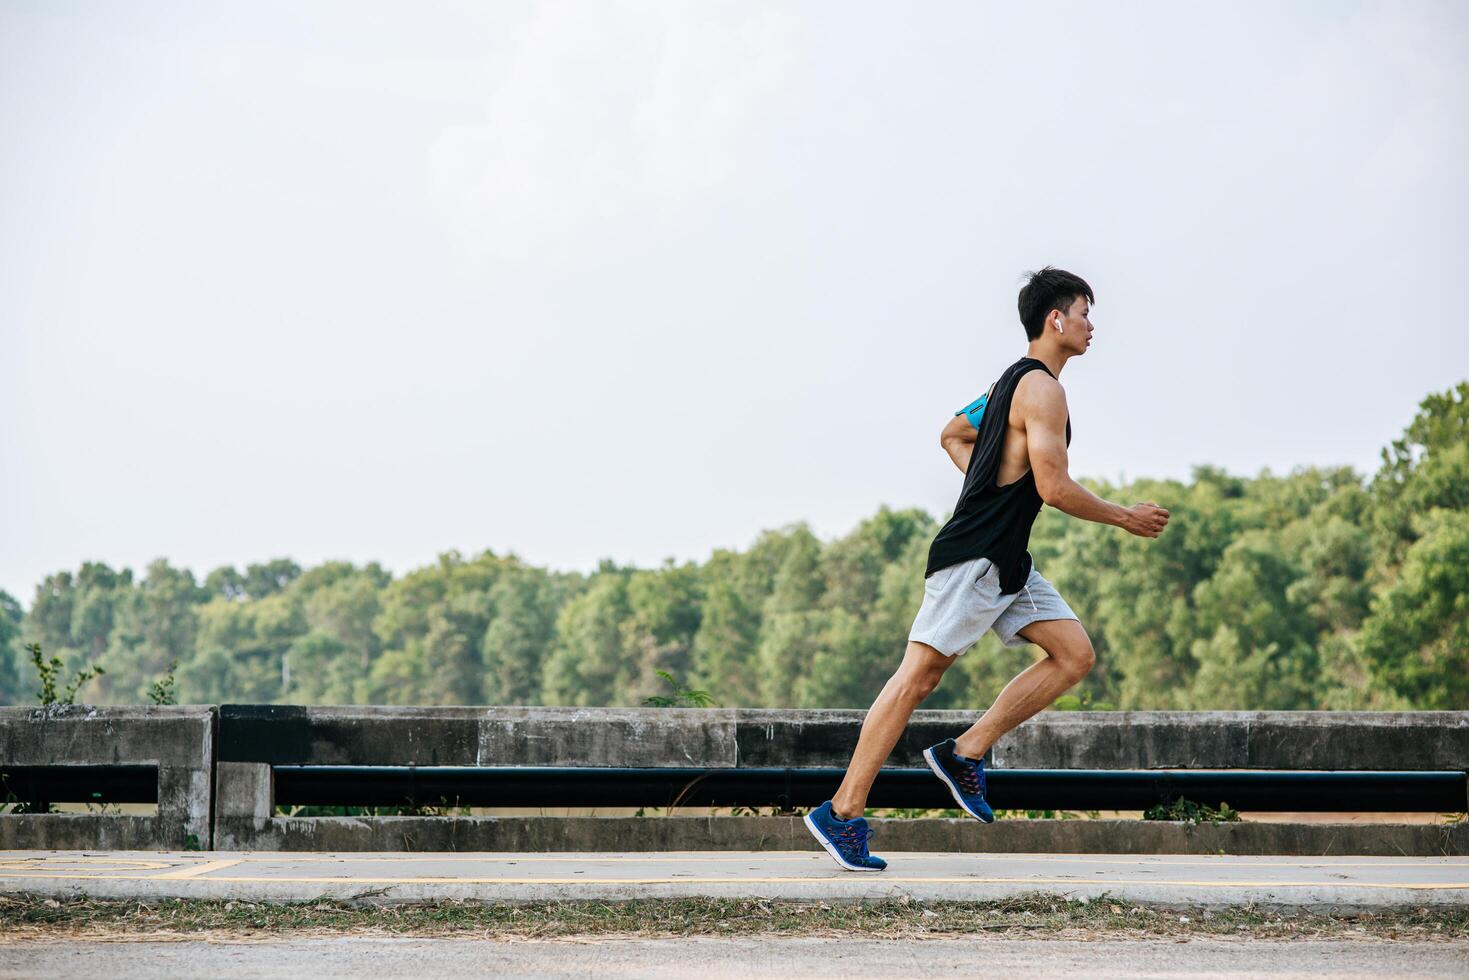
point(36, 919)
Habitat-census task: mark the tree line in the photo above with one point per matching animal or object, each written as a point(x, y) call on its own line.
point(1319, 589)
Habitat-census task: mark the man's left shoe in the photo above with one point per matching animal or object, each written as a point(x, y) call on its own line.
point(844, 840)
point(964, 777)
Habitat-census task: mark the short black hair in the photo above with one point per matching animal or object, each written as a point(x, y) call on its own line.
point(1047, 290)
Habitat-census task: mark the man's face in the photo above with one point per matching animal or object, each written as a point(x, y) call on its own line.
point(1077, 326)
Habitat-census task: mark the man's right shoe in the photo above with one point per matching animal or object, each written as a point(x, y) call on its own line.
point(964, 777)
point(845, 840)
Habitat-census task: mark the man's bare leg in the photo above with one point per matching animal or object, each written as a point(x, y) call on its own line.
point(1069, 656)
point(914, 679)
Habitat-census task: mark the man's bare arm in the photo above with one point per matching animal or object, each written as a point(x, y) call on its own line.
point(958, 440)
point(1043, 405)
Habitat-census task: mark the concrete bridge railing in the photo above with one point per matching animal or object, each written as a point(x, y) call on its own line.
point(806, 738)
point(175, 744)
point(239, 751)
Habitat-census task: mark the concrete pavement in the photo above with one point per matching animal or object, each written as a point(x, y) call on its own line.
point(1222, 880)
point(742, 956)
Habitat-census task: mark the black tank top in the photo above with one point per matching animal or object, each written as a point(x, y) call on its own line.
point(990, 521)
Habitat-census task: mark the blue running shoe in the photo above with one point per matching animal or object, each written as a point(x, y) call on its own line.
point(845, 840)
point(964, 777)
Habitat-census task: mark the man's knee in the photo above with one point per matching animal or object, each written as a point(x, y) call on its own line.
point(1066, 643)
point(922, 669)
point(916, 684)
point(1076, 657)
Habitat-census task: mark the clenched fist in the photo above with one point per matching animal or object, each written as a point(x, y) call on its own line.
point(1146, 519)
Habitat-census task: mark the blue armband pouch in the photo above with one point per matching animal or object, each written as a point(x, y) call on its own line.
point(975, 409)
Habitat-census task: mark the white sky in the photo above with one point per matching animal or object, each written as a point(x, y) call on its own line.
point(585, 280)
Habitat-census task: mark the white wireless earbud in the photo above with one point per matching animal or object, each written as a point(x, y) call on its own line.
point(1058, 325)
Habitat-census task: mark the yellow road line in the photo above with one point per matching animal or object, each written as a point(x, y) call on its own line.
point(443, 858)
point(1419, 886)
point(197, 870)
point(27, 863)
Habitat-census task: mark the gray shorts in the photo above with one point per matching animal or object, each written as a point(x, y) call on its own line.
point(962, 601)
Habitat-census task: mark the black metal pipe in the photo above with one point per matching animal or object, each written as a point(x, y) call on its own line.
point(37, 786)
point(1254, 790)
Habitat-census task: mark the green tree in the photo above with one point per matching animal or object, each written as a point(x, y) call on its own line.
point(270, 578)
point(789, 642)
point(335, 659)
point(73, 617)
point(852, 566)
point(846, 665)
point(1258, 647)
point(155, 624)
point(11, 615)
point(1416, 639)
point(587, 665)
point(723, 652)
point(791, 626)
point(664, 611)
point(519, 638)
point(242, 651)
point(857, 650)
point(453, 662)
point(432, 625)
point(1427, 468)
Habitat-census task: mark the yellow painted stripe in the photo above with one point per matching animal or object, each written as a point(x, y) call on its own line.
point(441, 857)
point(198, 869)
point(27, 863)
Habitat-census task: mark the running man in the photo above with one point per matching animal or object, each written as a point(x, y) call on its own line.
point(1011, 444)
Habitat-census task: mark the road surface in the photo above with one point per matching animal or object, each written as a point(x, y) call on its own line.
point(746, 956)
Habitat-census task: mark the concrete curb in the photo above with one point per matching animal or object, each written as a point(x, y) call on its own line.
point(1209, 880)
point(848, 889)
point(639, 834)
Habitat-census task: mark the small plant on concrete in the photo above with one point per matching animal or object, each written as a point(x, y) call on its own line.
point(162, 691)
point(443, 808)
point(1191, 812)
point(682, 696)
point(49, 670)
point(1070, 702)
point(1047, 815)
point(913, 813)
point(12, 803)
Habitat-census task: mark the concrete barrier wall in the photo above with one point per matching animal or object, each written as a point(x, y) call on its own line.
point(1377, 740)
point(178, 740)
point(498, 736)
point(231, 750)
point(721, 738)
